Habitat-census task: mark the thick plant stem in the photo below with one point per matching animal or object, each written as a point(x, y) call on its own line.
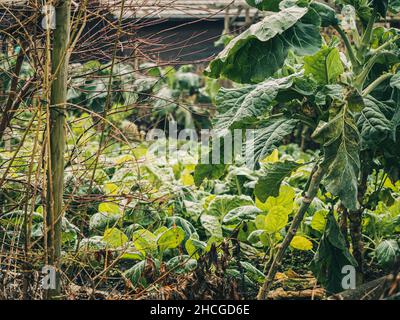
point(376, 83)
point(307, 199)
point(343, 223)
point(362, 76)
point(355, 218)
point(55, 187)
point(366, 39)
point(350, 50)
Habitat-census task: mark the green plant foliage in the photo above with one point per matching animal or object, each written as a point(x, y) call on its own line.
point(181, 264)
point(325, 66)
point(327, 14)
point(318, 221)
point(261, 50)
point(373, 125)
point(301, 243)
point(269, 183)
point(237, 215)
point(114, 238)
point(340, 139)
point(212, 224)
point(171, 238)
point(236, 106)
point(195, 247)
point(223, 204)
point(387, 253)
point(208, 171)
point(269, 137)
point(268, 5)
point(315, 95)
point(331, 256)
point(276, 219)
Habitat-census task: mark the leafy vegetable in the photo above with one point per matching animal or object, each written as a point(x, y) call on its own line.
point(387, 253)
point(269, 184)
point(261, 50)
point(331, 256)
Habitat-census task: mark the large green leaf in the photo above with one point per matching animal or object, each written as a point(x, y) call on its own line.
point(332, 255)
point(387, 253)
point(135, 274)
point(207, 171)
point(262, 49)
point(181, 264)
point(240, 214)
point(268, 138)
point(115, 237)
point(327, 14)
point(171, 238)
point(276, 219)
point(325, 65)
point(138, 275)
point(212, 224)
point(334, 92)
point(144, 240)
point(340, 140)
point(222, 204)
point(195, 247)
point(101, 221)
point(241, 104)
point(267, 5)
point(269, 184)
point(252, 272)
point(373, 125)
point(186, 226)
point(395, 81)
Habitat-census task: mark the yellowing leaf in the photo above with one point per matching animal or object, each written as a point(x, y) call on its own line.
point(301, 243)
point(273, 157)
point(261, 205)
point(276, 219)
point(187, 179)
point(285, 199)
point(318, 221)
point(260, 221)
point(109, 207)
point(110, 188)
point(115, 238)
point(389, 184)
point(144, 240)
point(171, 238)
point(194, 247)
point(394, 209)
point(139, 152)
point(190, 167)
point(124, 159)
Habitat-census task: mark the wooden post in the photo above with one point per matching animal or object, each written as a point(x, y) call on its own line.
point(55, 184)
point(226, 21)
point(247, 20)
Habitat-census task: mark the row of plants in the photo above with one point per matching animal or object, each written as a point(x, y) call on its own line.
point(145, 212)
